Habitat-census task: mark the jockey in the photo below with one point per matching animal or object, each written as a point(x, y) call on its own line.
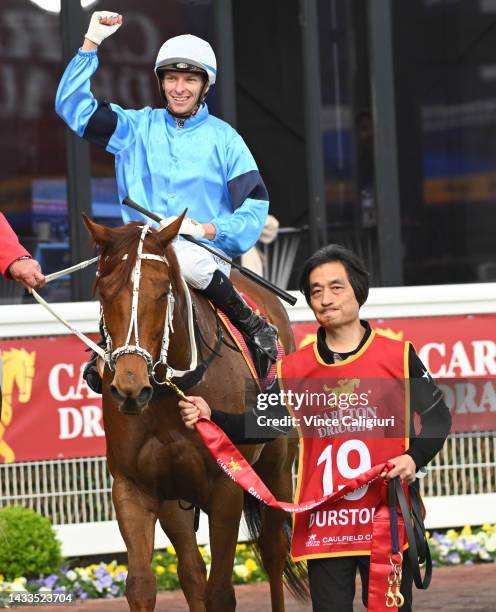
point(178, 157)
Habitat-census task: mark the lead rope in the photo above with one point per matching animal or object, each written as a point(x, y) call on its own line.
point(394, 597)
point(50, 277)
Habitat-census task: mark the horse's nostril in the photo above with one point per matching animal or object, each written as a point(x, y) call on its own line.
point(145, 395)
point(116, 396)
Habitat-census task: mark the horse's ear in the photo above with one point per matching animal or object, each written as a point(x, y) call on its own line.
point(99, 233)
point(169, 232)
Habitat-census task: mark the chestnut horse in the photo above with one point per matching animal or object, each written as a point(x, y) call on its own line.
point(153, 458)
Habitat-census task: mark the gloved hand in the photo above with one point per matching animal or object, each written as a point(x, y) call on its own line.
point(99, 31)
point(189, 226)
point(192, 228)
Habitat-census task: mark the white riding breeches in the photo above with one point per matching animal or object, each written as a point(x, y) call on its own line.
point(197, 264)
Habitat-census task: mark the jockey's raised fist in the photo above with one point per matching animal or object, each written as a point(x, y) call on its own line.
point(102, 25)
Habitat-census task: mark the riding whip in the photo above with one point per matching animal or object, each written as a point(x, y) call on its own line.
point(284, 295)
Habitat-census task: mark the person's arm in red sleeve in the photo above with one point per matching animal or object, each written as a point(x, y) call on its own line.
point(12, 259)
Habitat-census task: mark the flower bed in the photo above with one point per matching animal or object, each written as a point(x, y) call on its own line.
point(109, 580)
point(246, 567)
point(466, 546)
point(93, 581)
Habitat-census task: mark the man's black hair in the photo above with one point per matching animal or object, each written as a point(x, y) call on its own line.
point(355, 270)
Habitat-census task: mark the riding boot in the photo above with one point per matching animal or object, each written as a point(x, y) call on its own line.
point(260, 333)
point(90, 372)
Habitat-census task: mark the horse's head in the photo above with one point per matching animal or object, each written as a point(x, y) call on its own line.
point(134, 291)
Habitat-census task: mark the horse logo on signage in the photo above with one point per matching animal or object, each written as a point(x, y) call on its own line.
point(18, 371)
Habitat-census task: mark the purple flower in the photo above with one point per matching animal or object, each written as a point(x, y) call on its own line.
point(106, 581)
point(121, 575)
point(83, 595)
point(473, 547)
point(100, 571)
point(453, 558)
point(50, 581)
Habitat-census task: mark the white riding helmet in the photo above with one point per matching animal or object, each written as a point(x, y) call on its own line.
point(187, 51)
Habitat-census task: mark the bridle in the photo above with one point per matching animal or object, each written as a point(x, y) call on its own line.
point(110, 355)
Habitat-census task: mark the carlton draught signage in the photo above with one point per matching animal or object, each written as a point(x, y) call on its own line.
point(48, 410)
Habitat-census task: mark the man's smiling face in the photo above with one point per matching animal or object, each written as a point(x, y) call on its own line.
point(182, 90)
point(332, 298)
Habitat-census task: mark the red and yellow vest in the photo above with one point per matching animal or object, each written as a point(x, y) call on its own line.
point(328, 459)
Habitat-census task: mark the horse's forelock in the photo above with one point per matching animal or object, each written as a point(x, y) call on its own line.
point(124, 241)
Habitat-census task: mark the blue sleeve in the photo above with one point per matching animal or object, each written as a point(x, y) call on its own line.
point(249, 199)
point(102, 123)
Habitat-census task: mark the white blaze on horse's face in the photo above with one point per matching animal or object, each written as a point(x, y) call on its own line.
point(134, 285)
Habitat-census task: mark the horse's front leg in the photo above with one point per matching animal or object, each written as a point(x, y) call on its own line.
point(223, 519)
point(178, 524)
point(137, 515)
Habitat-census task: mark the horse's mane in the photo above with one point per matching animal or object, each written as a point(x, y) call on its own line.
point(125, 241)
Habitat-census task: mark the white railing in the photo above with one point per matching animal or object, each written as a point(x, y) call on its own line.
point(76, 493)
point(25, 320)
point(466, 465)
point(67, 491)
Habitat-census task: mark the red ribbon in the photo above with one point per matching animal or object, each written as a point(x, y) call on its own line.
point(232, 462)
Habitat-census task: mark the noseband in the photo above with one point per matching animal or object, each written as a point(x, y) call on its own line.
point(111, 356)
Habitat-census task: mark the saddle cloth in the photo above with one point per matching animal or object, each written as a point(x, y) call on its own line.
point(240, 342)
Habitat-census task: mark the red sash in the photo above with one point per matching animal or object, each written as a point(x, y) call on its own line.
point(232, 462)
